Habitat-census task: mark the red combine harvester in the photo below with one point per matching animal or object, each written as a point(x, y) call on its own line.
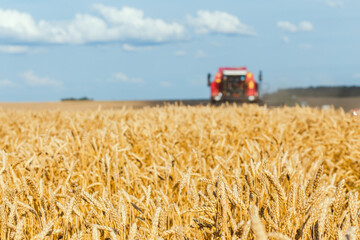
point(234, 84)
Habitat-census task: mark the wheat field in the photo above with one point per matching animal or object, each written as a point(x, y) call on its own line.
point(180, 172)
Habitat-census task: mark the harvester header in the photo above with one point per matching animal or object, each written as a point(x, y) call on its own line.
point(234, 84)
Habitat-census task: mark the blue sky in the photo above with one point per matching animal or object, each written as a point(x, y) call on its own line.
point(143, 50)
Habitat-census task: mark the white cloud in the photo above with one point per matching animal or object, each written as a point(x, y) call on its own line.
point(120, 77)
point(125, 24)
point(132, 23)
point(13, 49)
point(165, 84)
point(7, 83)
point(17, 24)
point(131, 48)
point(128, 47)
point(32, 79)
point(218, 22)
point(304, 26)
point(287, 26)
point(334, 3)
point(285, 39)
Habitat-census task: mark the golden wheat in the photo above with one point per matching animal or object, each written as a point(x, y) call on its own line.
point(180, 172)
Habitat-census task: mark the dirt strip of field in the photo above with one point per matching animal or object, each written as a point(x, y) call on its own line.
point(94, 105)
point(346, 103)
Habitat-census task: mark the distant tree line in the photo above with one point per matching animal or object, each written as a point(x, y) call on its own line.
point(77, 99)
point(321, 91)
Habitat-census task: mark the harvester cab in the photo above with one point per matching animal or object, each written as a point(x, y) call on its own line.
point(234, 84)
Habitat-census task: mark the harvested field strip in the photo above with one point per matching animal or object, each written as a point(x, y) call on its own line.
point(179, 172)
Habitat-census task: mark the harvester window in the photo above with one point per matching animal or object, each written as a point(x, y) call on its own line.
point(234, 85)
